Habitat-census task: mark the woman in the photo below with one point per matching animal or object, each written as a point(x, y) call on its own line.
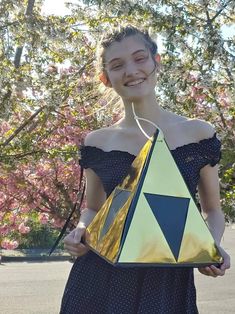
point(129, 65)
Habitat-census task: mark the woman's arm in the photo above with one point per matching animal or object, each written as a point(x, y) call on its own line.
point(209, 194)
point(95, 197)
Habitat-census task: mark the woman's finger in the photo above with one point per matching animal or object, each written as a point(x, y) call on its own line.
point(69, 239)
point(206, 271)
point(217, 271)
point(76, 250)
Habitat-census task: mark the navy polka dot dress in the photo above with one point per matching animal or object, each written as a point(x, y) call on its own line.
point(95, 286)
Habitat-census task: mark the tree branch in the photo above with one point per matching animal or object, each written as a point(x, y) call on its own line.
point(218, 13)
point(53, 208)
point(18, 55)
point(64, 192)
point(19, 50)
point(23, 155)
point(21, 127)
point(223, 119)
point(8, 24)
point(29, 10)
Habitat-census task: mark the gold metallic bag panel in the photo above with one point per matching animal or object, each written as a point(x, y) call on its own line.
point(151, 219)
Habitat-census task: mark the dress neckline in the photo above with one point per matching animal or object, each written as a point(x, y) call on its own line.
point(172, 150)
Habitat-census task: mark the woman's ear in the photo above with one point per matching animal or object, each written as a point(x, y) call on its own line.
point(158, 58)
point(105, 80)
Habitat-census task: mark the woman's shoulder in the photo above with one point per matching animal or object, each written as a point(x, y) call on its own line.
point(181, 130)
point(199, 128)
point(98, 137)
point(194, 130)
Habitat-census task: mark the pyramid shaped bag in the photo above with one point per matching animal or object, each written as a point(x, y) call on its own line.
point(151, 219)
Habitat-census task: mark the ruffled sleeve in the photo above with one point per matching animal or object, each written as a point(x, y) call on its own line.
point(87, 157)
point(111, 167)
point(91, 157)
point(210, 151)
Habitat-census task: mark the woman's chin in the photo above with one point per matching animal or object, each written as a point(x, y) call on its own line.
point(135, 97)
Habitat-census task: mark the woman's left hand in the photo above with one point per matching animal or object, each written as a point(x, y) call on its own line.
point(214, 271)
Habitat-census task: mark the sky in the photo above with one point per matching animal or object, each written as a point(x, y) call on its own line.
point(56, 7)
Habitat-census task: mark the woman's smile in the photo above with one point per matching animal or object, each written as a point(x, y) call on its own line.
point(135, 82)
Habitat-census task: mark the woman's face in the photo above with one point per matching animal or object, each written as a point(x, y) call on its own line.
point(130, 68)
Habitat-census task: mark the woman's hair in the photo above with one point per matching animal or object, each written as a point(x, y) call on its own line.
point(118, 36)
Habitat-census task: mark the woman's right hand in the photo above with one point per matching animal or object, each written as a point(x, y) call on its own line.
point(72, 242)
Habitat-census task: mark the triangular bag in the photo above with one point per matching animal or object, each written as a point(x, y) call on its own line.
point(151, 219)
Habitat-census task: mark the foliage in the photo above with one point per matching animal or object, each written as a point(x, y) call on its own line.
point(40, 236)
point(50, 97)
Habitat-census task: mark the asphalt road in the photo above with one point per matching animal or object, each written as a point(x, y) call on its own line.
point(217, 295)
point(36, 288)
point(32, 288)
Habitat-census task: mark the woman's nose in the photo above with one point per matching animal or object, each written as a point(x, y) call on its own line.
point(131, 69)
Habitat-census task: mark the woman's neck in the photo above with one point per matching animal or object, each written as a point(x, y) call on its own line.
point(147, 109)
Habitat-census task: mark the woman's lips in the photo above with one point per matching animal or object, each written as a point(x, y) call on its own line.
point(134, 82)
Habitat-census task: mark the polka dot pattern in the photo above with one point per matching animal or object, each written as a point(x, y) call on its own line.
point(95, 286)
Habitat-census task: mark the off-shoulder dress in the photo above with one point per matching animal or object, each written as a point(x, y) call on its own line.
point(95, 286)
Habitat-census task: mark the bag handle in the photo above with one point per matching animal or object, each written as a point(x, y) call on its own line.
point(81, 194)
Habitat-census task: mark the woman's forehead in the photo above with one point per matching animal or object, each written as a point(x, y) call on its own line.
point(124, 48)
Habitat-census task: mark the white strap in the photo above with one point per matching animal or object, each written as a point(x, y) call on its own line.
point(138, 123)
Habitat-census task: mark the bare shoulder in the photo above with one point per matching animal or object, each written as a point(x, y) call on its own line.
point(196, 129)
point(184, 130)
point(98, 137)
point(200, 128)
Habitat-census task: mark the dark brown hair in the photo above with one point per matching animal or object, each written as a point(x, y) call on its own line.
point(119, 35)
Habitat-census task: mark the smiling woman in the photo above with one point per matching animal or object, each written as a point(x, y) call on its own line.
point(129, 64)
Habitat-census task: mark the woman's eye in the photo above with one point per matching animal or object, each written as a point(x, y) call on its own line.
point(116, 66)
point(140, 59)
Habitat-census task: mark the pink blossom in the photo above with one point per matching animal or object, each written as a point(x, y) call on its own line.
point(4, 127)
point(24, 210)
point(4, 230)
point(198, 93)
point(58, 223)
point(13, 218)
point(43, 218)
point(14, 244)
point(23, 229)
point(52, 69)
point(9, 244)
